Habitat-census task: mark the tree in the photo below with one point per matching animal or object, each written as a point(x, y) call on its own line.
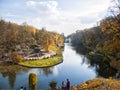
point(23, 36)
point(32, 81)
point(46, 39)
point(115, 9)
point(111, 27)
point(53, 85)
point(58, 38)
point(16, 58)
point(9, 37)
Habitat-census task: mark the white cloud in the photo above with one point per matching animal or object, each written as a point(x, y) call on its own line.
point(31, 3)
point(60, 15)
point(10, 15)
point(43, 7)
point(49, 14)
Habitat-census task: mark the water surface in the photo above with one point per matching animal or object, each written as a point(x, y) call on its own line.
point(75, 67)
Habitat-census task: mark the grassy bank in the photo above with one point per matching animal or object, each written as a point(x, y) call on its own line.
point(48, 62)
point(99, 84)
point(43, 62)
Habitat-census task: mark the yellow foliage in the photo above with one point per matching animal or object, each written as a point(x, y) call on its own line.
point(16, 58)
point(33, 81)
point(84, 85)
point(19, 58)
point(111, 28)
point(95, 84)
point(74, 88)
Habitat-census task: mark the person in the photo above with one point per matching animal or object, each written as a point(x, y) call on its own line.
point(24, 88)
point(68, 84)
point(21, 88)
point(63, 87)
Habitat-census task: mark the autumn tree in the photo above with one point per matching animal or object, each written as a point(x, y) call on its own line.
point(27, 34)
point(58, 38)
point(9, 37)
point(32, 81)
point(111, 27)
point(46, 39)
point(115, 9)
point(14, 37)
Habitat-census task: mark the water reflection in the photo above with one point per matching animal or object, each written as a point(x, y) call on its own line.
point(45, 71)
point(76, 66)
point(10, 71)
point(102, 66)
point(11, 77)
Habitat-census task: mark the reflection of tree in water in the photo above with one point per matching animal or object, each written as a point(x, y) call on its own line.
point(10, 71)
point(83, 50)
point(11, 77)
point(102, 66)
point(46, 71)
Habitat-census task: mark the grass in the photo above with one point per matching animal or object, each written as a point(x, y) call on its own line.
point(43, 62)
point(56, 49)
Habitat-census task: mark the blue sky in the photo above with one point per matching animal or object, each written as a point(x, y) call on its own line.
point(63, 16)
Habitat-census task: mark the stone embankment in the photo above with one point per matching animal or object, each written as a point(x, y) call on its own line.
point(45, 55)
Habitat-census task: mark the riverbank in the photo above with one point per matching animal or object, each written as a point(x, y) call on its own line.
point(98, 84)
point(48, 62)
point(49, 59)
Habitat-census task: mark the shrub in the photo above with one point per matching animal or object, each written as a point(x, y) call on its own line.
point(16, 58)
point(19, 58)
point(32, 81)
point(53, 85)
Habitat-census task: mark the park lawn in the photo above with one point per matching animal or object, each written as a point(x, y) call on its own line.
point(43, 62)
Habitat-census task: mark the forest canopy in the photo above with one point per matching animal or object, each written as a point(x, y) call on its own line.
point(104, 38)
point(14, 38)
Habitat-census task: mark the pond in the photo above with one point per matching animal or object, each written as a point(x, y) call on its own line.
point(76, 67)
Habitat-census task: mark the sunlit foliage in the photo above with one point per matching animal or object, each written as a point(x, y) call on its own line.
point(15, 38)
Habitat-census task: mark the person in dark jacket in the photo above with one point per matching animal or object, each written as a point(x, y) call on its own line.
point(68, 84)
point(63, 87)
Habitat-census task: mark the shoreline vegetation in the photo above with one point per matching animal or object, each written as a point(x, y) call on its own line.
point(98, 84)
point(102, 40)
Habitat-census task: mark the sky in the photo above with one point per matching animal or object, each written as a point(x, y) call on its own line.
point(62, 16)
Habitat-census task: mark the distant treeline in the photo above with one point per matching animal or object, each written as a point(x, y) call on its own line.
point(14, 37)
point(104, 38)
